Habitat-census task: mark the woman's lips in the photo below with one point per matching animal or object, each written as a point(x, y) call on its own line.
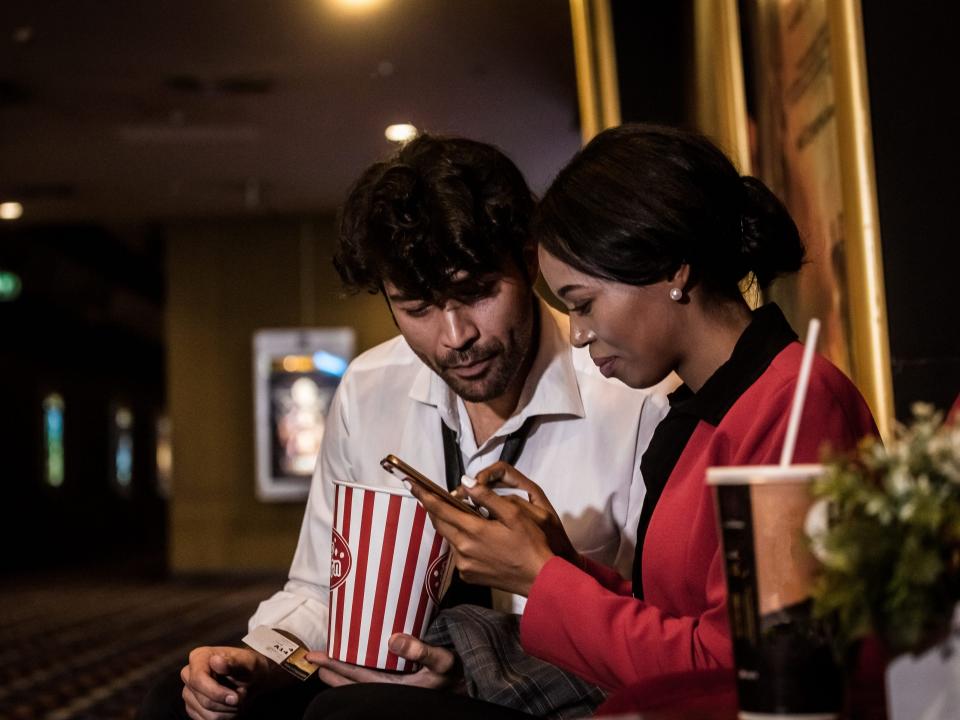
point(605, 365)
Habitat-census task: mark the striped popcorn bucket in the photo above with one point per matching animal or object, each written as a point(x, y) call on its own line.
point(388, 570)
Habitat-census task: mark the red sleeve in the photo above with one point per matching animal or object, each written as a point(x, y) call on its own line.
point(606, 576)
point(612, 639)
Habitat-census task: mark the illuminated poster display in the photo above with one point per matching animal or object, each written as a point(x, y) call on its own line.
point(296, 373)
point(121, 450)
point(164, 456)
point(53, 465)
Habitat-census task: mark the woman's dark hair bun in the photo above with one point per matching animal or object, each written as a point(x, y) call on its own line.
point(771, 244)
point(640, 201)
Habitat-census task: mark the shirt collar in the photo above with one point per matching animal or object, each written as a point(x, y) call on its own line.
point(550, 388)
point(767, 334)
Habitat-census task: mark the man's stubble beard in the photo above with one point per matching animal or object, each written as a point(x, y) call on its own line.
point(508, 363)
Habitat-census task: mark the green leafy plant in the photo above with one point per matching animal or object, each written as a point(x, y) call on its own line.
point(891, 548)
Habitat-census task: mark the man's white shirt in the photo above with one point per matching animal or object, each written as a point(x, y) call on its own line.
point(583, 449)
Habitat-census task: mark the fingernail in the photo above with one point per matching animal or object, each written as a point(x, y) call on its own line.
point(395, 644)
point(231, 699)
point(468, 481)
point(407, 484)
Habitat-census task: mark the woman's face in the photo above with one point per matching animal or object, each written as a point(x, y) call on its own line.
point(632, 331)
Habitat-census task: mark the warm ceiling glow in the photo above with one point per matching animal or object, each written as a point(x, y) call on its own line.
point(358, 5)
point(404, 132)
point(10, 211)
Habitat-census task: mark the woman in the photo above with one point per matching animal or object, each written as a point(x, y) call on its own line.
point(646, 237)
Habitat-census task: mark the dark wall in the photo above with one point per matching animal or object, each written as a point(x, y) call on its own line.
point(88, 326)
point(654, 44)
point(911, 69)
point(226, 280)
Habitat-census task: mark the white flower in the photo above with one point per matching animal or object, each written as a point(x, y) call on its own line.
point(816, 526)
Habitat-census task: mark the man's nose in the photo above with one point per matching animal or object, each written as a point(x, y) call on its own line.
point(459, 330)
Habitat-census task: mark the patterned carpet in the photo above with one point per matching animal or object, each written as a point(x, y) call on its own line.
point(73, 649)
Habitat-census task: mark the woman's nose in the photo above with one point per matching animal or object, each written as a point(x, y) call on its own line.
point(580, 336)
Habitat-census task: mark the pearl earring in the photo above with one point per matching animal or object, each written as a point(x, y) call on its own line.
point(676, 294)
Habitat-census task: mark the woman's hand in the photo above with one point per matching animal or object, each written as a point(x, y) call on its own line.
point(543, 513)
point(508, 550)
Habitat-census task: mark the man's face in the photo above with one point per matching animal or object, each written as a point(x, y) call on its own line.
point(476, 340)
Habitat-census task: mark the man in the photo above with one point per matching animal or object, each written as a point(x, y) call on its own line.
point(441, 230)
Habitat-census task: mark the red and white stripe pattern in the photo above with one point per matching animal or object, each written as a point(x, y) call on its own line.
point(392, 551)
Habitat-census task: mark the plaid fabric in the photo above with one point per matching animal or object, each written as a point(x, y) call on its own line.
point(497, 669)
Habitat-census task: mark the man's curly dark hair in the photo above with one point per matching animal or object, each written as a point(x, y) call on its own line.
point(440, 206)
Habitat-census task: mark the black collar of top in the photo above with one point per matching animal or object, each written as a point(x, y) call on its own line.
point(767, 334)
point(764, 338)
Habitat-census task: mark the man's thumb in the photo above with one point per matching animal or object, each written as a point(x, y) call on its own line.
point(235, 663)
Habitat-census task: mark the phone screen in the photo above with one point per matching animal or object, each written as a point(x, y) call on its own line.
point(396, 466)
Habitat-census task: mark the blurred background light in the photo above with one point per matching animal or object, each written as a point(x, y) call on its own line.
point(400, 133)
point(329, 363)
point(10, 286)
point(359, 5)
point(11, 211)
point(297, 363)
point(53, 439)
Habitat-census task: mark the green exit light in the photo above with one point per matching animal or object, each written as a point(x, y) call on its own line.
point(10, 286)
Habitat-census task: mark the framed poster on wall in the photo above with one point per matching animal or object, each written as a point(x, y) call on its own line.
point(296, 373)
point(810, 142)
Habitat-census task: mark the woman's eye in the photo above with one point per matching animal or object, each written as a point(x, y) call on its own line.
point(418, 311)
point(581, 309)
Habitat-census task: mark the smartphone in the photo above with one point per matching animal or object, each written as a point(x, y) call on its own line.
point(394, 465)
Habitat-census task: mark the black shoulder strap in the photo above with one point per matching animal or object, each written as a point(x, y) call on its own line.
point(460, 592)
point(453, 459)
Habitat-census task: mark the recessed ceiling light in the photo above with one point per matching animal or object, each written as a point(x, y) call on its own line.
point(400, 133)
point(10, 211)
point(359, 4)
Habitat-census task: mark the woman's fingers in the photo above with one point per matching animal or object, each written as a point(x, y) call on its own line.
point(501, 473)
point(503, 509)
point(449, 521)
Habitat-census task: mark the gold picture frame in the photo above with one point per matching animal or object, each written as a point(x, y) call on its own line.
point(809, 139)
point(843, 284)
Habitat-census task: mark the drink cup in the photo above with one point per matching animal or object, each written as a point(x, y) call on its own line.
point(388, 570)
point(784, 659)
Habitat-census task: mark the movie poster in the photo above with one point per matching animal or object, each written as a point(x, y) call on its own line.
point(795, 150)
point(296, 373)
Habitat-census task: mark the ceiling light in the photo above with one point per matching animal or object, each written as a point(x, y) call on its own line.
point(359, 4)
point(401, 133)
point(10, 211)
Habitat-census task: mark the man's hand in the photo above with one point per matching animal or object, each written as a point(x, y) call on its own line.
point(438, 666)
point(218, 679)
